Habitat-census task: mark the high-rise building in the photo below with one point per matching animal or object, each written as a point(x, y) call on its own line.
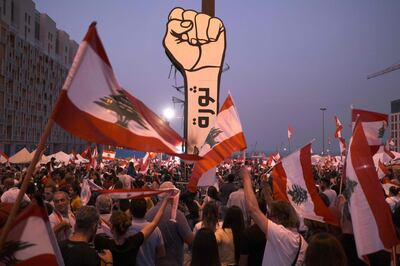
point(395, 124)
point(35, 58)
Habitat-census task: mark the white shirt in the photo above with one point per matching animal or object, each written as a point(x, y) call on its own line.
point(282, 246)
point(236, 198)
point(55, 218)
point(199, 225)
point(331, 194)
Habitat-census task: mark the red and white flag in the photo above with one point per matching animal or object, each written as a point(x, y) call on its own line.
point(224, 138)
point(144, 166)
point(93, 158)
point(31, 240)
point(289, 132)
point(86, 153)
point(277, 157)
point(374, 125)
point(108, 155)
point(370, 215)
point(293, 182)
point(338, 135)
point(93, 106)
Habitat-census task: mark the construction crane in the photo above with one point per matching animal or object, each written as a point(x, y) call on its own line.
point(386, 70)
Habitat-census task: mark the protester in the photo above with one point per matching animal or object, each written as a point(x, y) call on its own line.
point(175, 234)
point(236, 198)
point(330, 193)
point(209, 218)
point(124, 247)
point(324, 249)
point(285, 246)
point(153, 247)
point(62, 220)
point(205, 249)
point(76, 250)
point(104, 206)
point(394, 198)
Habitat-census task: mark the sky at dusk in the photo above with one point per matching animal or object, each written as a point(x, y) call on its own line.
point(287, 59)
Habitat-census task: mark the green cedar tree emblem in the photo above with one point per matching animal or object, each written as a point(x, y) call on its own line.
point(381, 131)
point(348, 191)
point(123, 108)
point(298, 194)
point(7, 253)
point(212, 135)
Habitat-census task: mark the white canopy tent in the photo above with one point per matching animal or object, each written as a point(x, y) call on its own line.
point(21, 157)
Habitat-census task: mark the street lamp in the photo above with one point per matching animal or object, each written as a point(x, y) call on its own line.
point(323, 109)
point(168, 113)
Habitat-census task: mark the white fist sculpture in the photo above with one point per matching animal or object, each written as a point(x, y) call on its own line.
point(194, 41)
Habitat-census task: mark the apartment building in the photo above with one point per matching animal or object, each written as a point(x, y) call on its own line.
point(35, 58)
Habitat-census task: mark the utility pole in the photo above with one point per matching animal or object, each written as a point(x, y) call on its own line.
point(208, 7)
point(323, 109)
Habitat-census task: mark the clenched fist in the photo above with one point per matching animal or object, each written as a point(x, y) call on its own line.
point(194, 40)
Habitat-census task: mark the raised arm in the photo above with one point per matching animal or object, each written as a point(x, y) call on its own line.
point(149, 228)
point(266, 190)
point(251, 201)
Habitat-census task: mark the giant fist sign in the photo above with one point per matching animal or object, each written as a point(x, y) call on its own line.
point(195, 43)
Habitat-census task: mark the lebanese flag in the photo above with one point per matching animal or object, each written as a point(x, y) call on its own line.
point(146, 162)
point(271, 161)
point(108, 155)
point(87, 187)
point(86, 153)
point(374, 125)
point(339, 127)
point(93, 106)
point(224, 138)
point(31, 240)
point(370, 215)
point(3, 157)
point(382, 170)
point(338, 135)
point(293, 182)
point(93, 158)
point(173, 193)
point(289, 132)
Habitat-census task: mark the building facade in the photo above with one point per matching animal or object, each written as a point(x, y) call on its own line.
point(35, 58)
point(395, 124)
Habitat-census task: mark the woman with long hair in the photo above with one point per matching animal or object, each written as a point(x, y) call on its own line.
point(325, 249)
point(124, 247)
point(230, 235)
point(205, 249)
point(209, 218)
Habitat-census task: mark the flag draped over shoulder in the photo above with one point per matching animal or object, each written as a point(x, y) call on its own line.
point(374, 125)
point(370, 215)
point(31, 241)
point(94, 107)
point(293, 182)
point(224, 138)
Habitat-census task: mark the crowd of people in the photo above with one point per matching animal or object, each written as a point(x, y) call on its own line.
point(235, 222)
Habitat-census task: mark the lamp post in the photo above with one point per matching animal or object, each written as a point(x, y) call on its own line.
point(323, 109)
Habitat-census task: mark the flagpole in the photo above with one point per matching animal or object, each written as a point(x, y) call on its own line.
point(38, 152)
point(344, 164)
point(27, 178)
